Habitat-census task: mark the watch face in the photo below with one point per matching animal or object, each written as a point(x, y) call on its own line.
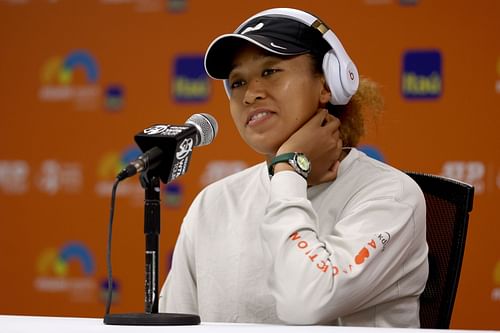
point(303, 162)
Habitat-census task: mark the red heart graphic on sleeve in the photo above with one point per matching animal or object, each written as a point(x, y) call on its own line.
point(362, 255)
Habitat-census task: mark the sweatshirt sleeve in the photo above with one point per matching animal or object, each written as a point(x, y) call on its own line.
point(318, 277)
point(178, 294)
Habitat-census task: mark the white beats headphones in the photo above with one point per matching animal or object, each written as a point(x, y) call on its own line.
point(340, 72)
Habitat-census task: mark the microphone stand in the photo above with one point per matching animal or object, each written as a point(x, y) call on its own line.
point(151, 185)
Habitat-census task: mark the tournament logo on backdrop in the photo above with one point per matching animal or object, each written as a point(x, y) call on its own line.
point(216, 170)
point(109, 165)
point(14, 177)
point(421, 76)
point(190, 81)
point(471, 172)
point(73, 78)
point(54, 177)
point(69, 269)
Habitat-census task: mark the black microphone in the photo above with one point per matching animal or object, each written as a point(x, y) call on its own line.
point(167, 148)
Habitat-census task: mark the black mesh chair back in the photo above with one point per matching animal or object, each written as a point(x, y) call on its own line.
point(448, 205)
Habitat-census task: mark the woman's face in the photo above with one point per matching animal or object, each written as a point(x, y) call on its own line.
point(271, 97)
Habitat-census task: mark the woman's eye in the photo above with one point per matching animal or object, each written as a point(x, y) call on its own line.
point(236, 84)
point(269, 71)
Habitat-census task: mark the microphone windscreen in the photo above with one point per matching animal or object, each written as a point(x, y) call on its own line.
point(206, 125)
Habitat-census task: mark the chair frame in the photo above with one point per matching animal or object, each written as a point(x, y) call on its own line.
point(460, 195)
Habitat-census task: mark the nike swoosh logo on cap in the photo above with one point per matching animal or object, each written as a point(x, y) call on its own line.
point(277, 46)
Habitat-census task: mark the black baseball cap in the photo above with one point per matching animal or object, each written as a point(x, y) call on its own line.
point(278, 35)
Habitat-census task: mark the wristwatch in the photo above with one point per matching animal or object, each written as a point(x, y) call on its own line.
point(298, 161)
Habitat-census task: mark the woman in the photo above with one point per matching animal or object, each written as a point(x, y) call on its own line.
point(319, 233)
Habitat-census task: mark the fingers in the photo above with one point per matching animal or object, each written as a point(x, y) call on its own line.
point(323, 118)
point(319, 118)
point(330, 125)
point(332, 121)
point(327, 119)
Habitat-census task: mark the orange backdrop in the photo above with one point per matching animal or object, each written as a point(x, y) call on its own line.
point(78, 79)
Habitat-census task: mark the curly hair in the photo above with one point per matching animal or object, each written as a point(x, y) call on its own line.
point(366, 101)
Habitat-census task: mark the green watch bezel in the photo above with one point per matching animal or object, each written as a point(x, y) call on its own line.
point(291, 159)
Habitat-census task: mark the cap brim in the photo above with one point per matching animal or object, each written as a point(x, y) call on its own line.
point(220, 54)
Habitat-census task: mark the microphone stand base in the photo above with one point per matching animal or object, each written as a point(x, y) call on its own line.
point(151, 319)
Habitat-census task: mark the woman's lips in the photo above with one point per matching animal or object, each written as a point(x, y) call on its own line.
point(258, 117)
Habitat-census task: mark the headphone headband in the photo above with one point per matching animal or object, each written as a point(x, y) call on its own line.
point(340, 72)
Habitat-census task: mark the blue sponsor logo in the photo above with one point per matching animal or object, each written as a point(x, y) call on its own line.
point(177, 6)
point(190, 81)
point(114, 98)
point(408, 2)
point(372, 152)
point(115, 291)
point(421, 77)
point(173, 195)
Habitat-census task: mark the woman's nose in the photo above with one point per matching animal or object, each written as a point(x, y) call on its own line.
point(255, 90)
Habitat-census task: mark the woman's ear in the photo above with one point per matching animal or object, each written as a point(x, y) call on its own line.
point(325, 93)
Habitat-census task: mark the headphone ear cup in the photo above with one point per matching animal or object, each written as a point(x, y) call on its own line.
point(331, 69)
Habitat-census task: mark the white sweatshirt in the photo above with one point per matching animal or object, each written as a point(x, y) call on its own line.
point(349, 252)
